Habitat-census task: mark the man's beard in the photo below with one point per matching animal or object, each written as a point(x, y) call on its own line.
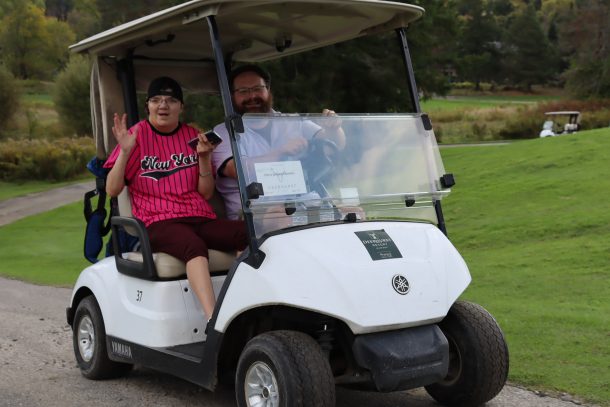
point(264, 105)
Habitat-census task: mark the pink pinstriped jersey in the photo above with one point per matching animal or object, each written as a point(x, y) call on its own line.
point(162, 175)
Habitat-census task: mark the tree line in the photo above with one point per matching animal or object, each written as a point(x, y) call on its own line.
point(499, 43)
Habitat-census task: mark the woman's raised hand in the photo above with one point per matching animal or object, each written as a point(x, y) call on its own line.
point(121, 133)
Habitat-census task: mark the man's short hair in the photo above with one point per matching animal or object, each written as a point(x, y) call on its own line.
point(249, 68)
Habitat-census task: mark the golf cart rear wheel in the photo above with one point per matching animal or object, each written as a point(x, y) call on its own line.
point(478, 357)
point(284, 369)
point(89, 339)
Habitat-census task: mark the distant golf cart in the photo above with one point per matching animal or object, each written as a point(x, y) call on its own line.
point(349, 278)
point(558, 123)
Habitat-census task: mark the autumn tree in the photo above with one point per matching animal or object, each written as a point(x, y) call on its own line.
point(8, 6)
point(588, 38)
point(33, 46)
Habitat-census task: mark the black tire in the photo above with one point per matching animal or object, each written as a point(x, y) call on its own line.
point(478, 357)
point(285, 369)
point(89, 340)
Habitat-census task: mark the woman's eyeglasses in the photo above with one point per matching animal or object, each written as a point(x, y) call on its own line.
point(158, 100)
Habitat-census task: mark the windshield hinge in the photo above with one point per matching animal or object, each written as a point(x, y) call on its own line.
point(235, 121)
point(426, 121)
point(447, 181)
point(255, 190)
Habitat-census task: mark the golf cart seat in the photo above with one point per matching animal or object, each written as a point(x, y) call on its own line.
point(159, 266)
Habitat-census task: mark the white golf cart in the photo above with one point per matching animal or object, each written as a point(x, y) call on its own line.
point(349, 278)
point(563, 122)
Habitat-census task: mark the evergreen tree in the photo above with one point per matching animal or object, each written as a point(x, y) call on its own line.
point(59, 8)
point(85, 18)
point(529, 56)
point(71, 96)
point(432, 42)
point(10, 94)
point(479, 44)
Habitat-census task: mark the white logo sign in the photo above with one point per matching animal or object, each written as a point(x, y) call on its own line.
point(281, 178)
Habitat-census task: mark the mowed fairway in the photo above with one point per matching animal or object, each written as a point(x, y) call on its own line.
point(531, 219)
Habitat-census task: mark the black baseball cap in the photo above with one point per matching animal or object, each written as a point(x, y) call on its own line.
point(165, 86)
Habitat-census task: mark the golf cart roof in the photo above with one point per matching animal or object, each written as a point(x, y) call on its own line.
point(251, 30)
point(563, 113)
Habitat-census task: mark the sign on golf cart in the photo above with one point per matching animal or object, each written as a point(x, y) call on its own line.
point(349, 277)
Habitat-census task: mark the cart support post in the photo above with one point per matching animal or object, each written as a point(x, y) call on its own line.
point(414, 98)
point(256, 257)
point(406, 57)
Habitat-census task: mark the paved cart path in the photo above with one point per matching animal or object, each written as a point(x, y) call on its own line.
point(37, 366)
point(31, 204)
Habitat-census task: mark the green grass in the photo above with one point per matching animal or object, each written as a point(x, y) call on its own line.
point(531, 221)
point(38, 99)
point(479, 102)
point(45, 248)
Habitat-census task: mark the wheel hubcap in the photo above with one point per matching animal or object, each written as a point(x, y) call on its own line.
point(260, 386)
point(86, 338)
point(455, 363)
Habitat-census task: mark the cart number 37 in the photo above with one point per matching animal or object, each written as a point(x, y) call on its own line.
point(138, 295)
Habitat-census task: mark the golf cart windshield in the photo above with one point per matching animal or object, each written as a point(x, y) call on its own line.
point(388, 167)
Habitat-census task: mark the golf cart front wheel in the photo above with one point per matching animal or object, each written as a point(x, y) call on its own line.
point(478, 357)
point(89, 340)
point(284, 369)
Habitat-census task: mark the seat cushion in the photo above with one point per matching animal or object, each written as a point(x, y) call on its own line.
point(170, 267)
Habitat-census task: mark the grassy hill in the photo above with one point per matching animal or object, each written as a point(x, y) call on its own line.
point(533, 223)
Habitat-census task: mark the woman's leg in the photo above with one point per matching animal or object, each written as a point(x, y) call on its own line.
point(224, 235)
point(178, 238)
point(198, 274)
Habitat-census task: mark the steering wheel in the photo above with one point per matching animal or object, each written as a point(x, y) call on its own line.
point(318, 160)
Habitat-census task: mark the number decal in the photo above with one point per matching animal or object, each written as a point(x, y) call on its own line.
point(139, 295)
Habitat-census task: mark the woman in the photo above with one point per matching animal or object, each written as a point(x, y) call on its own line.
point(170, 183)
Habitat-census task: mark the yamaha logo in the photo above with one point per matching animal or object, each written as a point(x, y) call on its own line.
point(400, 284)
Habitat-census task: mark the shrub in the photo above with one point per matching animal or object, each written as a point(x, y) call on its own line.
point(58, 160)
point(595, 119)
point(71, 96)
point(10, 93)
point(523, 126)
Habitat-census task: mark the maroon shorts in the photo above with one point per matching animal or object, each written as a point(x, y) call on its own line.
point(187, 238)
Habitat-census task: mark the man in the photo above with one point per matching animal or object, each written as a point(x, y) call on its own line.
point(251, 93)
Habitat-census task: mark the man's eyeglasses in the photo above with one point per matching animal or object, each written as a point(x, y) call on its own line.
point(158, 100)
point(255, 90)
